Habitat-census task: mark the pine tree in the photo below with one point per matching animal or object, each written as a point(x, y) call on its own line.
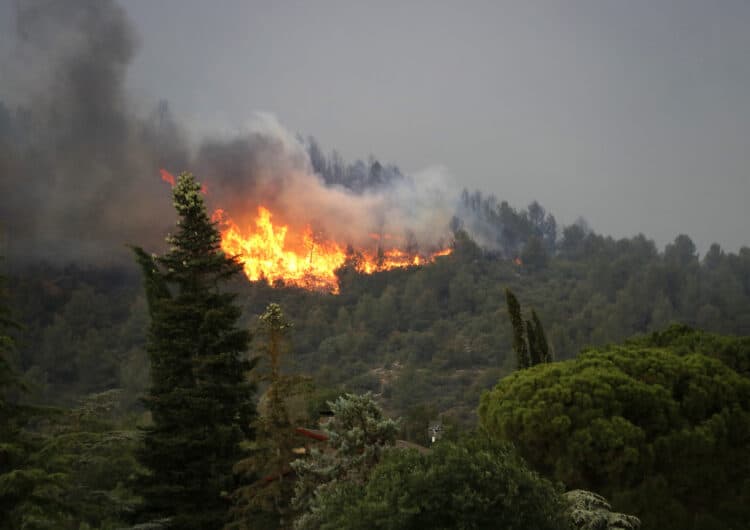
point(519, 340)
point(265, 501)
point(199, 399)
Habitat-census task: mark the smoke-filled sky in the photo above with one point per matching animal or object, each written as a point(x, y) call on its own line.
point(634, 115)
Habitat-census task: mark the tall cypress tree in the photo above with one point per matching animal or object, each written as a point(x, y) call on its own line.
point(199, 399)
point(540, 339)
point(519, 339)
point(531, 340)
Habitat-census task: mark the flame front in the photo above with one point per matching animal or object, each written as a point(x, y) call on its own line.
point(307, 260)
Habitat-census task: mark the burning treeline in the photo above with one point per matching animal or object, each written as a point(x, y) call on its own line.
point(286, 221)
point(304, 255)
point(79, 165)
point(306, 259)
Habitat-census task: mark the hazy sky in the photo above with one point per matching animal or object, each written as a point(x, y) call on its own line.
point(632, 114)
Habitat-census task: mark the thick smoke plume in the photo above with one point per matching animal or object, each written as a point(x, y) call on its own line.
point(80, 168)
point(76, 163)
point(269, 166)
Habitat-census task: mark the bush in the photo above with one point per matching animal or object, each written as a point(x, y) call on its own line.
point(477, 483)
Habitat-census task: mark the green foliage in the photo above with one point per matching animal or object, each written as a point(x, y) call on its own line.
point(541, 347)
point(359, 435)
point(443, 320)
point(520, 345)
point(682, 339)
point(665, 435)
point(473, 484)
point(29, 495)
point(429, 336)
point(96, 457)
point(266, 498)
point(415, 423)
point(590, 511)
point(199, 399)
point(529, 339)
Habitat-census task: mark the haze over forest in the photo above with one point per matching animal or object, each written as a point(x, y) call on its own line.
point(327, 265)
point(632, 115)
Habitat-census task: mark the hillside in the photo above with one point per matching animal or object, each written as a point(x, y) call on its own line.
point(434, 335)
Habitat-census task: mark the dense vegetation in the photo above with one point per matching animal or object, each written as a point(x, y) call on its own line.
point(434, 335)
point(60, 468)
point(661, 430)
point(168, 392)
point(476, 483)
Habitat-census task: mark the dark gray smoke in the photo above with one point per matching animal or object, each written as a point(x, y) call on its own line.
point(271, 167)
point(78, 166)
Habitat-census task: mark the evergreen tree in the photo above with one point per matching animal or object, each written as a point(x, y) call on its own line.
point(199, 399)
point(529, 339)
point(540, 339)
point(265, 502)
point(359, 436)
point(687, 431)
point(97, 458)
point(590, 511)
point(474, 483)
point(30, 497)
point(519, 341)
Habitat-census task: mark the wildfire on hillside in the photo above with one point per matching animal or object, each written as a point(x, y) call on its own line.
point(305, 259)
point(274, 251)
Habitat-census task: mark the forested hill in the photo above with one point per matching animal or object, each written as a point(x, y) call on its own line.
point(427, 339)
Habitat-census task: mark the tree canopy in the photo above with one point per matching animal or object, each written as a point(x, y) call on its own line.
point(473, 484)
point(662, 432)
point(358, 437)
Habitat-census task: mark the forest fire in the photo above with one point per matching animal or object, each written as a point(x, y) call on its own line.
point(302, 257)
point(305, 259)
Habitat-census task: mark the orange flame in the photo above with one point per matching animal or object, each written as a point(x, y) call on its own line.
point(273, 253)
point(303, 259)
point(167, 177)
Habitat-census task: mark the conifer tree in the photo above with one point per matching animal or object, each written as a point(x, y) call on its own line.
point(590, 511)
point(540, 339)
point(359, 436)
point(519, 340)
point(531, 341)
point(199, 399)
point(265, 501)
point(30, 496)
